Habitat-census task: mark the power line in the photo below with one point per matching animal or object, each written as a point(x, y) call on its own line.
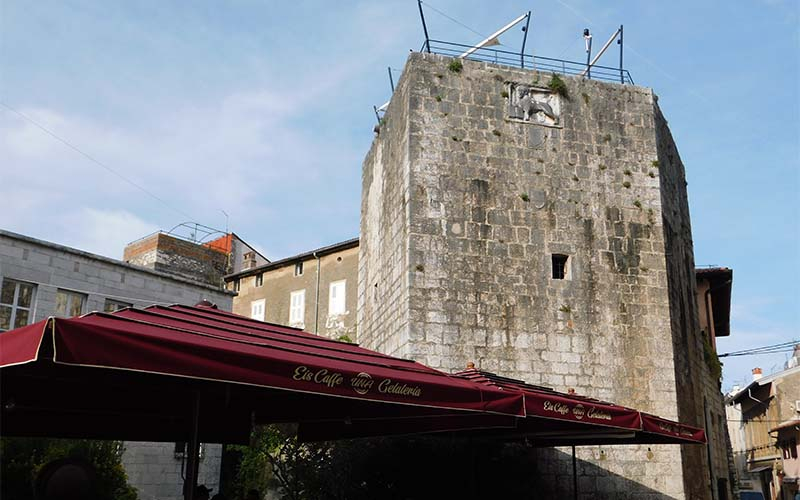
point(459, 22)
point(453, 19)
point(768, 349)
point(92, 159)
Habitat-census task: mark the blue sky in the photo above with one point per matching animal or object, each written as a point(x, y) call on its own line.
point(264, 110)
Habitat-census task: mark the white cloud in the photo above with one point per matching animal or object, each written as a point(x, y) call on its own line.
point(104, 232)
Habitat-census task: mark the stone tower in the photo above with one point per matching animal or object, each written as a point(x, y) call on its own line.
point(545, 236)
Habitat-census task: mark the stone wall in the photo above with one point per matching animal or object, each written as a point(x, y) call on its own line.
point(156, 472)
point(465, 204)
point(165, 253)
point(383, 263)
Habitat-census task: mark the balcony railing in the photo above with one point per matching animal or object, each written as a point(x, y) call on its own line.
point(527, 61)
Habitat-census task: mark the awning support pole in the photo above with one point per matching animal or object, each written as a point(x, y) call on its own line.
point(574, 475)
point(193, 450)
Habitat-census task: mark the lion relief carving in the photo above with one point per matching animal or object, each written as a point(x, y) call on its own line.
point(533, 104)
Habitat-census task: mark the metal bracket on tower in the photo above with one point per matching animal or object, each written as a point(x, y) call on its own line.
point(591, 62)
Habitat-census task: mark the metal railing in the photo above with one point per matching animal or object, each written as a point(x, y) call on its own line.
point(527, 61)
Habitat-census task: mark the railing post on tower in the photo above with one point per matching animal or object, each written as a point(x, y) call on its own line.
point(424, 27)
point(621, 71)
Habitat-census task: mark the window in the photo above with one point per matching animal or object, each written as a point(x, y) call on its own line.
point(298, 269)
point(336, 298)
point(257, 309)
point(112, 305)
point(236, 285)
point(69, 304)
point(16, 304)
point(297, 305)
point(560, 266)
point(260, 279)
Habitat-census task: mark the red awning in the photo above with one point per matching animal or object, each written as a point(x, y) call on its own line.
point(126, 376)
point(583, 420)
point(553, 419)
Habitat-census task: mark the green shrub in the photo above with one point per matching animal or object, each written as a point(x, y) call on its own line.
point(455, 66)
point(557, 85)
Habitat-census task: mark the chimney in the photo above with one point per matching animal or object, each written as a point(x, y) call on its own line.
point(756, 374)
point(794, 361)
point(249, 261)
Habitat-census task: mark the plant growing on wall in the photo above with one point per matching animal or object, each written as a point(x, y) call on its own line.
point(557, 85)
point(711, 359)
point(455, 66)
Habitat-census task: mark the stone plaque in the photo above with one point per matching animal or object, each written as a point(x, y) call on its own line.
point(533, 104)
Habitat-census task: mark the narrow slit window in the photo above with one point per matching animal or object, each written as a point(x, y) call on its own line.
point(560, 269)
point(260, 279)
point(298, 269)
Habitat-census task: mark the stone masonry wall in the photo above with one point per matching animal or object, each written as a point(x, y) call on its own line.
point(155, 471)
point(701, 401)
point(165, 253)
point(484, 200)
point(383, 262)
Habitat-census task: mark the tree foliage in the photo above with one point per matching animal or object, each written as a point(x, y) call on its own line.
point(399, 468)
point(21, 460)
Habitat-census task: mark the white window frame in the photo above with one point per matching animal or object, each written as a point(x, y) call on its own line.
point(15, 307)
point(71, 296)
point(297, 308)
point(337, 305)
point(298, 268)
point(258, 309)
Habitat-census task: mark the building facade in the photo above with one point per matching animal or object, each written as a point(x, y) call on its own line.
point(545, 236)
point(40, 279)
point(769, 419)
point(714, 287)
point(315, 291)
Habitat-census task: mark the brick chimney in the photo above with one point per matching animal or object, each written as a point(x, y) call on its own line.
point(756, 374)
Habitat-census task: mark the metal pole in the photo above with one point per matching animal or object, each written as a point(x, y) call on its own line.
point(391, 81)
point(588, 39)
point(574, 475)
point(524, 39)
point(193, 450)
point(492, 37)
point(621, 71)
point(377, 116)
point(424, 27)
point(599, 54)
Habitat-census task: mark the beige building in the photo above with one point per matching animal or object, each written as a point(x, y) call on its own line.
point(714, 286)
point(315, 290)
point(770, 419)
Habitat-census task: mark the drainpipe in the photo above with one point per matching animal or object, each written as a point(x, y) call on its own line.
point(754, 399)
point(316, 297)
